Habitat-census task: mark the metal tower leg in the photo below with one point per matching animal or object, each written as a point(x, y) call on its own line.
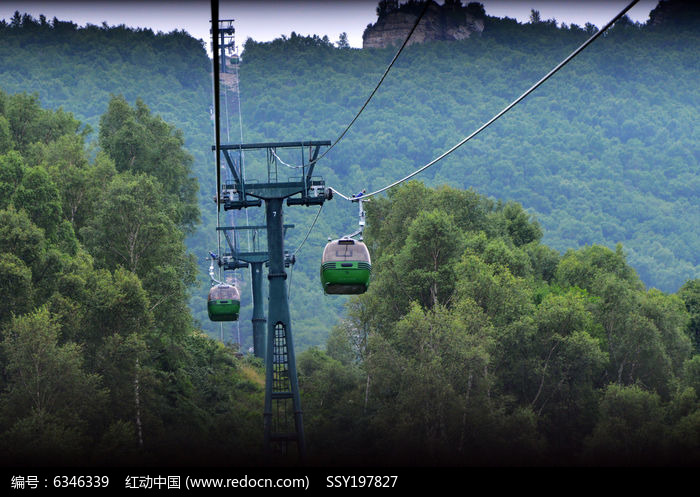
point(258, 320)
point(283, 416)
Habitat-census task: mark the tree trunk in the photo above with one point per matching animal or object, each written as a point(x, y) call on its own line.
point(464, 413)
point(364, 408)
point(137, 400)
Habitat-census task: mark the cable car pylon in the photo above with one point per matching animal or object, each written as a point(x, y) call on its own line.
point(282, 416)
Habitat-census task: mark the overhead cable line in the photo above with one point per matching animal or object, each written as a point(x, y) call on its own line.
point(506, 109)
point(291, 271)
point(241, 167)
point(217, 127)
point(241, 160)
point(272, 151)
point(309, 232)
point(415, 25)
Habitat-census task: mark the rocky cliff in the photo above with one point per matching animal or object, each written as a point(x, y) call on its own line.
point(447, 22)
point(678, 13)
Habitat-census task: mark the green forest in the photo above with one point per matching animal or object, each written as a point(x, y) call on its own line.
point(535, 296)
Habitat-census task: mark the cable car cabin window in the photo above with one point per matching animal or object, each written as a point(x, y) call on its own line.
point(343, 253)
point(345, 250)
point(223, 292)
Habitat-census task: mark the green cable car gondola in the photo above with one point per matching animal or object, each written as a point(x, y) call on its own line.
point(224, 303)
point(346, 267)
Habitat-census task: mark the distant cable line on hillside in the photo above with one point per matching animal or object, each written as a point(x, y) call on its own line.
point(403, 45)
point(507, 108)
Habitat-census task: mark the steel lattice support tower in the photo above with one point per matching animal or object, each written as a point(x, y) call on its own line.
point(227, 41)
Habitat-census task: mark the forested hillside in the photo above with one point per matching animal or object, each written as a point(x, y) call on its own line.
point(535, 296)
point(80, 69)
point(477, 344)
point(606, 152)
point(100, 360)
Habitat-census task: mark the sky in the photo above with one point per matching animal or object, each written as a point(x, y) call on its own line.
point(265, 20)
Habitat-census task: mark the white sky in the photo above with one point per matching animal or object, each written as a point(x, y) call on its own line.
point(265, 20)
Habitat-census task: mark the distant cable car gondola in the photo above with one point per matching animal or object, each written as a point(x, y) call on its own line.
point(224, 303)
point(346, 267)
